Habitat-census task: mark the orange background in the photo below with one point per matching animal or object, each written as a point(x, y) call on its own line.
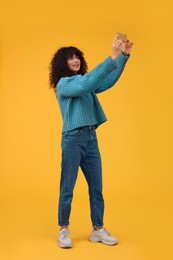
point(135, 143)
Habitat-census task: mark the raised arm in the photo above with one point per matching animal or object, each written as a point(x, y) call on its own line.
point(113, 77)
point(79, 85)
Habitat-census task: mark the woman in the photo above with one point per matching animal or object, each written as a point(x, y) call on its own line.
point(82, 113)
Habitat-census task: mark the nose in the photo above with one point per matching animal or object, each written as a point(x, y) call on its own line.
point(75, 59)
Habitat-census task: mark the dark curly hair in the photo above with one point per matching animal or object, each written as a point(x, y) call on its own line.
point(58, 66)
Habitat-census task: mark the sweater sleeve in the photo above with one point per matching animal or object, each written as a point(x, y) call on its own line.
point(113, 77)
point(79, 85)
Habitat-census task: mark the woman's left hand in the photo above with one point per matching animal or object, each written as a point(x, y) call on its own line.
point(127, 47)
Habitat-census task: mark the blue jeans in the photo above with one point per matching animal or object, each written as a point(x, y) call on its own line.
point(80, 148)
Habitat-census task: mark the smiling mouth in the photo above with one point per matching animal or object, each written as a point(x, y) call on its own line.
point(76, 65)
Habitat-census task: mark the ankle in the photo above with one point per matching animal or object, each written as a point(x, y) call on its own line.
point(97, 227)
point(61, 227)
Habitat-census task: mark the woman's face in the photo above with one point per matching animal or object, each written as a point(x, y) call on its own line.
point(74, 63)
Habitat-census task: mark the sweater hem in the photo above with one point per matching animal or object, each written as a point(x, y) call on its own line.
point(85, 124)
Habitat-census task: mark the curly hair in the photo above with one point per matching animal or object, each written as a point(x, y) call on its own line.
point(58, 66)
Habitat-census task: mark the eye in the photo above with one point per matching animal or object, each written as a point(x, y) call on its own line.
point(70, 58)
point(75, 57)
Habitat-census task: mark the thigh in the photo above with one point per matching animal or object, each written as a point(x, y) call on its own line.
point(92, 165)
point(71, 154)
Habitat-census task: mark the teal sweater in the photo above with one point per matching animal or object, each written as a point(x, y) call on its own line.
point(77, 98)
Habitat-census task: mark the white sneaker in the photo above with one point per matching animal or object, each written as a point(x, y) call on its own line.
point(64, 239)
point(102, 235)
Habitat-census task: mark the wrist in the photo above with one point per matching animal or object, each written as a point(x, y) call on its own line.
point(125, 53)
point(114, 57)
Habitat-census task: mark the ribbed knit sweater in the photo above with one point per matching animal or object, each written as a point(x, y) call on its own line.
point(77, 97)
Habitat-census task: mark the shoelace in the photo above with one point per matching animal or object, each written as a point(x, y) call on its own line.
point(65, 234)
point(107, 231)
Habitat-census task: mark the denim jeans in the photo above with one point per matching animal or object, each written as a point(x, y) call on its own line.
point(80, 149)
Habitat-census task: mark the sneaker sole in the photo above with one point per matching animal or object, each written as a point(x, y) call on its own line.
point(64, 246)
point(103, 241)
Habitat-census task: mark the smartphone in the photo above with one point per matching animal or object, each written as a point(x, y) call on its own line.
point(122, 36)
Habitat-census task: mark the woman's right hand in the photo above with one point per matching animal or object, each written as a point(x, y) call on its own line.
point(117, 46)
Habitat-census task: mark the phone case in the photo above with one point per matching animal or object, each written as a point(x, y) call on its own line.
point(122, 36)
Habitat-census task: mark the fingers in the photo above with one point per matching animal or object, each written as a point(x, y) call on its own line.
point(117, 42)
point(119, 45)
point(129, 43)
